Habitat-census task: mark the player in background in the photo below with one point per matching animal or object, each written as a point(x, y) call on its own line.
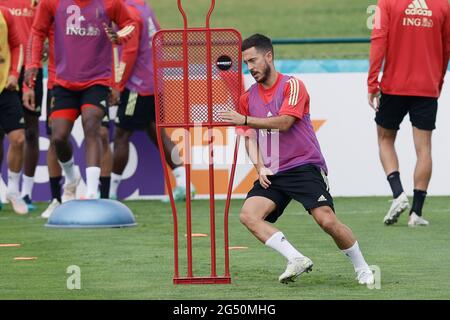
point(11, 111)
point(137, 103)
point(54, 169)
point(274, 113)
point(412, 39)
point(82, 82)
point(23, 12)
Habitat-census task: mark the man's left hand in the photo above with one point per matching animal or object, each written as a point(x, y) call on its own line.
point(112, 35)
point(12, 83)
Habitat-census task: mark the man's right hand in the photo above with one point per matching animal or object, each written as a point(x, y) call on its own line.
point(374, 100)
point(114, 97)
point(30, 77)
point(29, 100)
point(263, 177)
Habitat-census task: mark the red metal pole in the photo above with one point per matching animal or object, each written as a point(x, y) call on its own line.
point(227, 209)
point(212, 209)
point(180, 8)
point(208, 16)
point(187, 141)
point(159, 127)
point(172, 202)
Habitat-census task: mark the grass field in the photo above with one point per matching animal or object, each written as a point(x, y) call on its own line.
point(137, 263)
point(283, 19)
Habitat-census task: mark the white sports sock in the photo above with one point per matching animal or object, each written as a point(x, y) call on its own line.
point(279, 243)
point(92, 181)
point(356, 257)
point(180, 176)
point(69, 170)
point(13, 182)
point(114, 186)
point(27, 185)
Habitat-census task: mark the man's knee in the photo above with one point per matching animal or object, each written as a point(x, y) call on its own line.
point(327, 220)
point(248, 217)
point(59, 138)
point(17, 139)
point(31, 134)
point(386, 136)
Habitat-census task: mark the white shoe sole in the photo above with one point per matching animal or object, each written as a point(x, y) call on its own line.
point(413, 225)
point(294, 276)
point(394, 218)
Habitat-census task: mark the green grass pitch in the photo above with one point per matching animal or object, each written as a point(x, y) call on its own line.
point(282, 19)
point(137, 263)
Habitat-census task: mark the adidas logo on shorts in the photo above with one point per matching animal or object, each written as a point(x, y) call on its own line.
point(322, 199)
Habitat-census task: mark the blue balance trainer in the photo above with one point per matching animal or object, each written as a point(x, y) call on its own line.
point(101, 213)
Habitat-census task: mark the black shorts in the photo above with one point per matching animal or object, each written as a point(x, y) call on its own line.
point(66, 99)
point(38, 92)
point(306, 184)
point(422, 111)
point(50, 105)
point(135, 112)
point(11, 111)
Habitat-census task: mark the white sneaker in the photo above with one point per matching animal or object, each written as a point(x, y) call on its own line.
point(295, 268)
point(51, 207)
point(365, 276)
point(70, 190)
point(399, 205)
point(415, 220)
point(17, 202)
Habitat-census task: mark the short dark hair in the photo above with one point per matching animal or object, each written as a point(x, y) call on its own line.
point(259, 41)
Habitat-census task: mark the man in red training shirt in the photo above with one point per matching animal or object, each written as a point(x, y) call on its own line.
point(83, 64)
point(23, 12)
point(412, 38)
point(11, 112)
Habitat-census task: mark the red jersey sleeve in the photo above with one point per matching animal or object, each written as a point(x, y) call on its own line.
point(40, 30)
point(296, 99)
point(378, 45)
point(243, 108)
point(130, 51)
point(446, 45)
point(15, 45)
point(118, 13)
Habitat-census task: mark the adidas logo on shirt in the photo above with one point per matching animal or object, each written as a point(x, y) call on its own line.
point(418, 7)
point(22, 12)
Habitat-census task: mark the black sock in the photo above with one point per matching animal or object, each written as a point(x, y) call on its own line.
point(395, 183)
point(418, 201)
point(55, 187)
point(105, 182)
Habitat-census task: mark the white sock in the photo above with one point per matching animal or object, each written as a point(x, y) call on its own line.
point(13, 182)
point(180, 176)
point(356, 257)
point(92, 181)
point(27, 185)
point(279, 243)
point(69, 170)
point(114, 186)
